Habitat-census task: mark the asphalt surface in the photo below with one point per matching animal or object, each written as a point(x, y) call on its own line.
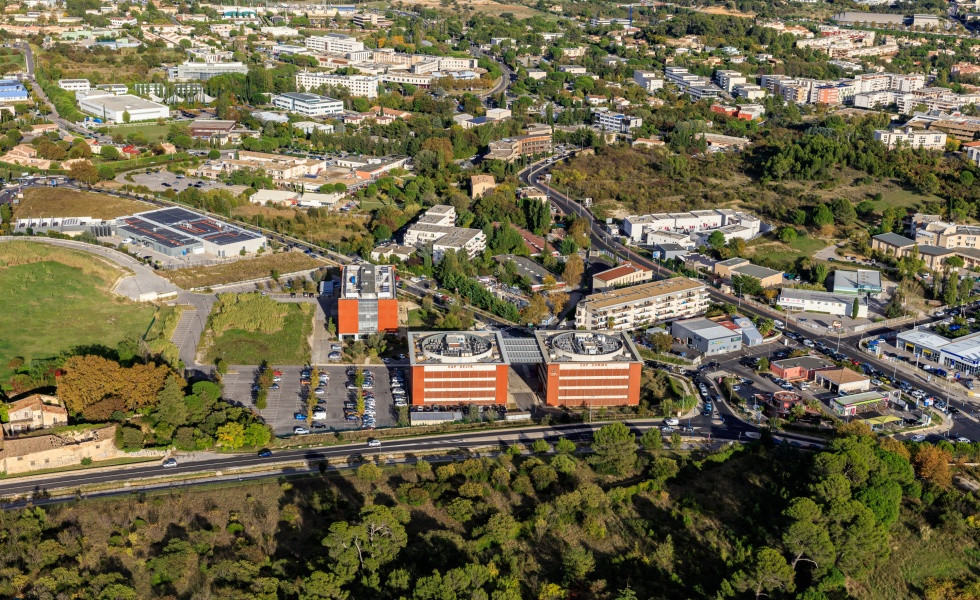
point(131, 476)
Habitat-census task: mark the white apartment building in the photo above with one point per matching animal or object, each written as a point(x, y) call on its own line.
point(75, 85)
point(438, 227)
point(357, 85)
point(915, 138)
point(973, 154)
point(651, 81)
point(875, 99)
point(310, 105)
point(727, 80)
point(642, 305)
point(334, 43)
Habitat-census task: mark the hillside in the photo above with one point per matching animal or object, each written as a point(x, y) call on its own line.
point(853, 519)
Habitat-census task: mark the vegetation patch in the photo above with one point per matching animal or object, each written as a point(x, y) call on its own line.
point(62, 202)
point(249, 328)
point(56, 299)
point(242, 270)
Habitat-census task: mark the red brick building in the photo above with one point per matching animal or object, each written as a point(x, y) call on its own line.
point(458, 367)
point(589, 368)
point(368, 302)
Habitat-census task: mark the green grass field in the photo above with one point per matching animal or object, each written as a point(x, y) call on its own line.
point(150, 129)
point(247, 338)
point(56, 299)
point(786, 254)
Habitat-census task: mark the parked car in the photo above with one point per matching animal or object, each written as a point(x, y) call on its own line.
point(319, 414)
point(300, 430)
point(299, 416)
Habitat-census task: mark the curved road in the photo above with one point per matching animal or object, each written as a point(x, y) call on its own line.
point(848, 346)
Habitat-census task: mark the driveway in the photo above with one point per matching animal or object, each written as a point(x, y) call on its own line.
point(143, 284)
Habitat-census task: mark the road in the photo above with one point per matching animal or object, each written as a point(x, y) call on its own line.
point(849, 344)
point(126, 478)
point(54, 116)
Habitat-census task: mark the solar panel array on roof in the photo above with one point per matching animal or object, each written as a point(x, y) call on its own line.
point(161, 235)
point(175, 221)
point(523, 351)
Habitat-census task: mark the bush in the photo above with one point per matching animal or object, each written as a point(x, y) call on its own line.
point(129, 438)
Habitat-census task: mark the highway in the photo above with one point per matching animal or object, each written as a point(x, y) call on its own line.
point(124, 479)
point(964, 426)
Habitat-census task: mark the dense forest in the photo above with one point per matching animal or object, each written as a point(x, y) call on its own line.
point(864, 518)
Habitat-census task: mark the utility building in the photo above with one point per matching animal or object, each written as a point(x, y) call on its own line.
point(367, 303)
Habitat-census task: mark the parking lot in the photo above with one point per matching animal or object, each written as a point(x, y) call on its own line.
point(160, 181)
point(290, 397)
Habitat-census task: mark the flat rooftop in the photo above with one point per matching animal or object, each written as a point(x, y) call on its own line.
point(861, 279)
point(175, 224)
point(805, 362)
point(966, 348)
point(123, 102)
point(644, 291)
point(708, 329)
point(586, 346)
point(862, 398)
point(456, 348)
point(368, 281)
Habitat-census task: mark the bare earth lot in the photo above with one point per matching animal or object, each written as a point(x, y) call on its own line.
point(242, 270)
point(64, 202)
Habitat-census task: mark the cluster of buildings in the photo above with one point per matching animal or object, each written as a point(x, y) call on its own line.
point(437, 226)
point(691, 229)
point(719, 335)
point(848, 43)
point(960, 355)
point(694, 85)
point(511, 149)
point(848, 296)
point(576, 368)
point(934, 241)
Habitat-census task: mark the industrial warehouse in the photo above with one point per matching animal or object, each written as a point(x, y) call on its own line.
point(179, 232)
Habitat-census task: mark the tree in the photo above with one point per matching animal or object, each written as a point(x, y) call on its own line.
point(369, 544)
point(535, 311)
point(126, 116)
point(85, 172)
point(652, 440)
point(109, 153)
point(762, 365)
point(768, 572)
point(820, 272)
point(843, 210)
point(855, 309)
point(231, 435)
point(966, 178)
point(746, 285)
point(661, 342)
point(806, 537)
point(932, 464)
point(822, 216)
point(573, 271)
point(787, 235)
point(171, 409)
point(564, 446)
point(614, 449)
point(716, 240)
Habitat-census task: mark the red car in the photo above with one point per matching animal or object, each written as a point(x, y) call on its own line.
point(277, 373)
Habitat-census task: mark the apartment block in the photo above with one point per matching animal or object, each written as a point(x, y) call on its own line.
point(642, 305)
point(617, 122)
point(727, 80)
point(334, 43)
point(358, 85)
point(437, 227)
point(651, 81)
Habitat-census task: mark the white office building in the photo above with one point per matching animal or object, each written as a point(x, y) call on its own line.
point(309, 105)
point(795, 300)
point(614, 121)
point(202, 71)
point(727, 80)
point(111, 107)
point(334, 43)
point(358, 85)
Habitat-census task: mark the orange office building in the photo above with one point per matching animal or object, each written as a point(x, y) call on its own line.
point(368, 302)
point(458, 367)
point(589, 368)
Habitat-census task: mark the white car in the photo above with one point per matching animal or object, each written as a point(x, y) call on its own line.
point(672, 421)
point(300, 430)
point(170, 463)
point(374, 443)
point(918, 438)
point(319, 414)
point(963, 440)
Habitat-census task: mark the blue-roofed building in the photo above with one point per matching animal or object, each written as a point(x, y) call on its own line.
point(12, 90)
